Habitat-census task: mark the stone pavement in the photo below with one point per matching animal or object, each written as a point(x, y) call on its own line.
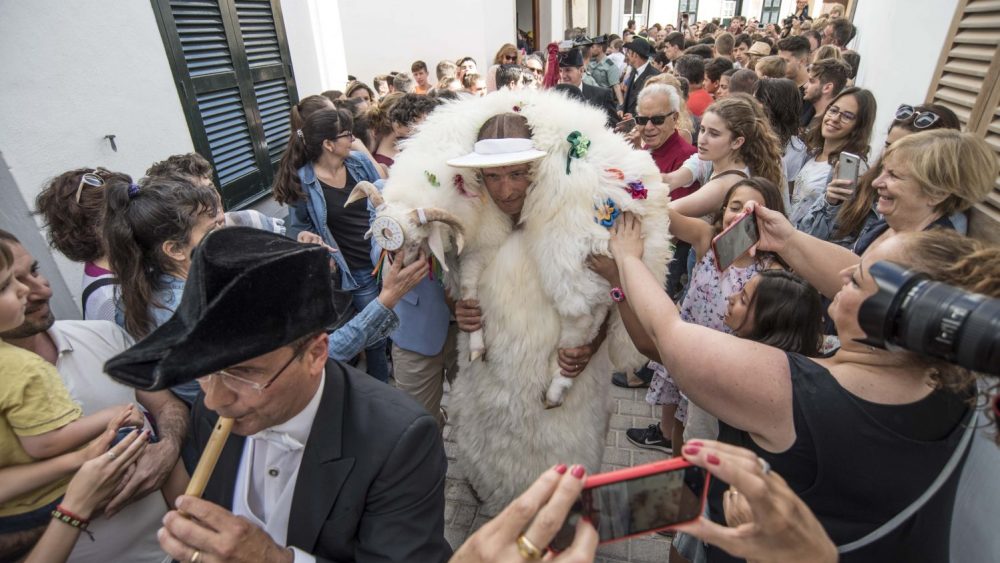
point(463, 515)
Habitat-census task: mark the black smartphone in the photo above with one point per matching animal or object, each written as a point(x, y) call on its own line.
point(625, 126)
point(124, 431)
point(637, 500)
point(735, 241)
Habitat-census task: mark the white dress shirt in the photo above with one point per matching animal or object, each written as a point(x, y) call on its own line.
point(269, 470)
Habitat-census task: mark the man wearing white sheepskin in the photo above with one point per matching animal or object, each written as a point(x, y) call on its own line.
point(506, 174)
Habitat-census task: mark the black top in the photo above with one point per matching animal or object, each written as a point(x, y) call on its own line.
point(858, 464)
point(348, 225)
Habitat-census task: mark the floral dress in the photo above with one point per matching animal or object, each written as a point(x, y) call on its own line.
point(705, 304)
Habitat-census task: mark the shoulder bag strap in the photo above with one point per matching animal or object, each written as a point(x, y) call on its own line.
point(94, 286)
point(949, 468)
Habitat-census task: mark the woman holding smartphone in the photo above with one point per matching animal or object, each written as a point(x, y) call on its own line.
point(848, 210)
point(860, 435)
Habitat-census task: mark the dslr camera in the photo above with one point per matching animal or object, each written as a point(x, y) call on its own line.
point(932, 318)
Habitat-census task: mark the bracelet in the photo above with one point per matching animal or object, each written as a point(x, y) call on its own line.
point(617, 294)
point(70, 519)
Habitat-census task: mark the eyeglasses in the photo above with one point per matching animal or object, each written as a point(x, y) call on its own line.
point(656, 119)
point(847, 116)
point(921, 120)
point(237, 384)
point(494, 178)
point(346, 135)
point(91, 179)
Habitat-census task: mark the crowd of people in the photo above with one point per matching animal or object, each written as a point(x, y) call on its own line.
point(331, 350)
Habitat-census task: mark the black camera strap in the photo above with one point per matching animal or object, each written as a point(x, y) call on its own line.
point(942, 478)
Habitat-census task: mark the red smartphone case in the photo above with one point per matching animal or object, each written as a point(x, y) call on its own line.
point(642, 471)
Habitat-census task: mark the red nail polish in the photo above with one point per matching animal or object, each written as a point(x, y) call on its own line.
point(578, 471)
point(692, 450)
point(561, 469)
point(713, 459)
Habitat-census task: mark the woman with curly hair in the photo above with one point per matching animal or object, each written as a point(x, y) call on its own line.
point(72, 208)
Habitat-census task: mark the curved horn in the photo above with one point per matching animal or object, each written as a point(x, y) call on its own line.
point(442, 216)
point(365, 189)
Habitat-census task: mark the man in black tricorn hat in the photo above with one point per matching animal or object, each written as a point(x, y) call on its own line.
point(571, 71)
point(324, 462)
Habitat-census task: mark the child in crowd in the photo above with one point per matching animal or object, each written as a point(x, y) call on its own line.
point(39, 419)
point(705, 303)
point(151, 230)
point(735, 141)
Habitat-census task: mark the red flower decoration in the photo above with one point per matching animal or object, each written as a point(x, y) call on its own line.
point(517, 109)
point(459, 182)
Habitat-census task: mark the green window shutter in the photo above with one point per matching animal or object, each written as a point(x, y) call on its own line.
point(234, 76)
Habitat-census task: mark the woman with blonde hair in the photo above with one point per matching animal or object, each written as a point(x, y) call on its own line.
point(827, 52)
point(506, 55)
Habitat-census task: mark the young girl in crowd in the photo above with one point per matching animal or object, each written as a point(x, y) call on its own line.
point(735, 142)
point(151, 230)
point(845, 211)
point(316, 175)
point(38, 419)
point(846, 126)
point(72, 207)
point(706, 303)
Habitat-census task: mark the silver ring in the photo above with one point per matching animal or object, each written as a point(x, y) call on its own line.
point(765, 467)
point(112, 455)
point(196, 556)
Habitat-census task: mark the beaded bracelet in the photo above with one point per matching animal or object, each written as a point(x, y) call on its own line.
point(68, 518)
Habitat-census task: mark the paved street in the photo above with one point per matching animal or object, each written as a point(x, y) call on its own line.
point(463, 514)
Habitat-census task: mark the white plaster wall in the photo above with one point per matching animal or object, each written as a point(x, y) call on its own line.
point(898, 60)
point(73, 73)
point(316, 45)
point(384, 35)
point(664, 12)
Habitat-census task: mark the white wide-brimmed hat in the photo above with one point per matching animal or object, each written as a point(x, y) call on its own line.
point(491, 153)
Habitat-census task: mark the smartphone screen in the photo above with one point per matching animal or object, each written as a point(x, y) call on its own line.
point(637, 505)
point(625, 126)
point(735, 241)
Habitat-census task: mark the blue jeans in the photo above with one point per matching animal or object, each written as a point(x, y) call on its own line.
point(366, 292)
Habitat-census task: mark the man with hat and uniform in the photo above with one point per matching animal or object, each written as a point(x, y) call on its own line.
point(637, 53)
point(324, 462)
point(571, 72)
point(603, 70)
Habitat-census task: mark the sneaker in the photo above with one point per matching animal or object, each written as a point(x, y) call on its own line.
point(649, 438)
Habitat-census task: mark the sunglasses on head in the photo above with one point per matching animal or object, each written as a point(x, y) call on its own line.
point(921, 120)
point(90, 179)
point(656, 119)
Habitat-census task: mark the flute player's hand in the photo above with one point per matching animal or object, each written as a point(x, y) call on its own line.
point(217, 535)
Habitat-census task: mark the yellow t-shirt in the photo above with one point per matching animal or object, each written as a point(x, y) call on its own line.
point(33, 401)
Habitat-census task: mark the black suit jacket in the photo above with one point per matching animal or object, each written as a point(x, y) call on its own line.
point(371, 483)
point(632, 94)
point(602, 98)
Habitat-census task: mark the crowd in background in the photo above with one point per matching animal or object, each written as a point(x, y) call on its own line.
point(735, 117)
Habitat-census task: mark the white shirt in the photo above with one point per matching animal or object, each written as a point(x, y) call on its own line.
point(268, 472)
point(83, 348)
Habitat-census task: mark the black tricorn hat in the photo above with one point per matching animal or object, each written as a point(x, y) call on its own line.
point(248, 292)
point(573, 57)
point(639, 46)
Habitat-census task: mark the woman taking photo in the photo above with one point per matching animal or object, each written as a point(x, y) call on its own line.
point(846, 126)
point(315, 177)
point(860, 435)
point(845, 211)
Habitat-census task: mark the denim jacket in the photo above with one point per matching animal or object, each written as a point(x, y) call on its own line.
point(309, 214)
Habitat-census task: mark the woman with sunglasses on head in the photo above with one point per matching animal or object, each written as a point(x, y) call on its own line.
point(315, 177)
point(846, 126)
point(72, 209)
point(846, 211)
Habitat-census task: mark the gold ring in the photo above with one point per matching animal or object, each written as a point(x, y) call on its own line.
point(196, 556)
point(529, 550)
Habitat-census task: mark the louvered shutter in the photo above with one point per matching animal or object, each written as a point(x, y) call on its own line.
point(968, 82)
point(234, 76)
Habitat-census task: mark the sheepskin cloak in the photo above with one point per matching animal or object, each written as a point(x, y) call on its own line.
point(531, 274)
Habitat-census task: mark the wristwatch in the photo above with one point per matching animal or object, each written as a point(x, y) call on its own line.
point(617, 294)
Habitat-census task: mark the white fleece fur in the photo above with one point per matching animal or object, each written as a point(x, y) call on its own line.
point(534, 288)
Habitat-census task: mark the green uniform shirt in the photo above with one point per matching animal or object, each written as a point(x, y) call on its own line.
point(604, 73)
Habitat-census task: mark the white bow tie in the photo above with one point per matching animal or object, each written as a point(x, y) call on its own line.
point(279, 439)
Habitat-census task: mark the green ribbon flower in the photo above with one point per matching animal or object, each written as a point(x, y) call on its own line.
point(578, 147)
point(432, 179)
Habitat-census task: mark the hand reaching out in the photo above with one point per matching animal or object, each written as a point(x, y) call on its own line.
point(626, 237)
